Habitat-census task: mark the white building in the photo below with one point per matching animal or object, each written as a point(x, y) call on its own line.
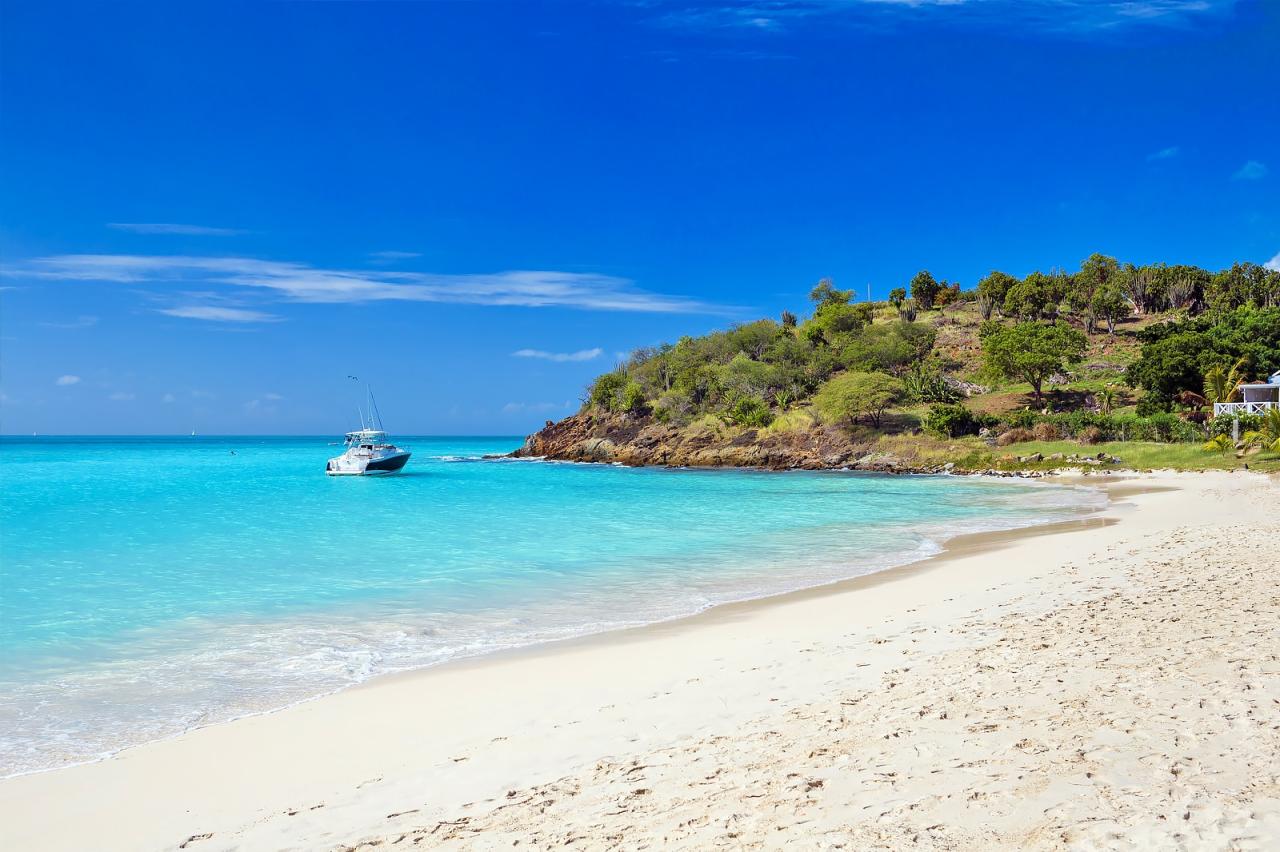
point(1255, 398)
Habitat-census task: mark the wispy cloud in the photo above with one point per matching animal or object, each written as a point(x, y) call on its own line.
point(535, 407)
point(1274, 263)
point(580, 355)
point(168, 398)
point(215, 313)
point(1252, 170)
point(122, 396)
point(394, 255)
point(1164, 153)
point(173, 228)
point(66, 381)
point(300, 282)
point(1045, 15)
point(78, 322)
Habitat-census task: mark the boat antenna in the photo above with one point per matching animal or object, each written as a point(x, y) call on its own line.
point(359, 413)
point(373, 411)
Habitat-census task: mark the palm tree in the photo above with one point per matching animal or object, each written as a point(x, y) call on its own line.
point(1267, 434)
point(1219, 444)
point(1106, 399)
point(1222, 385)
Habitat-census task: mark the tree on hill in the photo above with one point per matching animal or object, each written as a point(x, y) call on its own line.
point(1032, 352)
point(1110, 304)
point(991, 292)
point(1036, 295)
point(924, 289)
point(825, 293)
point(887, 347)
point(1097, 272)
point(852, 395)
point(897, 296)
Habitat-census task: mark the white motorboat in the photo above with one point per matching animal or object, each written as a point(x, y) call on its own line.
point(369, 451)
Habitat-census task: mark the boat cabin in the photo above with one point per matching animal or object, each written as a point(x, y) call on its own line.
point(367, 439)
point(1255, 398)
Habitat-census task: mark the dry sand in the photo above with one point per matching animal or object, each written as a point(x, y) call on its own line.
point(1112, 683)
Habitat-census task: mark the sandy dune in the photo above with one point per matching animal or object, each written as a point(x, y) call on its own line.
point(1109, 684)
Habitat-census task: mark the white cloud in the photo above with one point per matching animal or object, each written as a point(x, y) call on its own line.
point(394, 255)
point(1274, 263)
point(301, 282)
point(171, 228)
point(78, 322)
point(581, 355)
point(1164, 153)
point(67, 381)
point(218, 314)
point(535, 407)
point(168, 398)
point(203, 394)
point(1045, 15)
point(122, 396)
point(273, 397)
point(1252, 170)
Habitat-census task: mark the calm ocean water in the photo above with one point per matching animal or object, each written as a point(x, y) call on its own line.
point(151, 585)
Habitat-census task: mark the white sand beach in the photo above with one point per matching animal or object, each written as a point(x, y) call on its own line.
point(1107, 683)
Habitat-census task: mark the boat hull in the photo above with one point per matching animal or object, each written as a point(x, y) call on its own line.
point(393, 463)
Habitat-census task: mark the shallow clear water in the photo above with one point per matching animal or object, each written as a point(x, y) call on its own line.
point(150, 585)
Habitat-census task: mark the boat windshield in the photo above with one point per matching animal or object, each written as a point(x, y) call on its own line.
point(367, 438)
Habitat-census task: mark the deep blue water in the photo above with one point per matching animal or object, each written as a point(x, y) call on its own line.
point(149, 585)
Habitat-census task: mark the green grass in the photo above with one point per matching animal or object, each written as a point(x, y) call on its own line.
point(793, 420)
point(1135, 455)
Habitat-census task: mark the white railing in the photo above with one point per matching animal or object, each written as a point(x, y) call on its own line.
point(1231, 408)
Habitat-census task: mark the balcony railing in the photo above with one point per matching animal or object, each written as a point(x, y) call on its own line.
point(1232, 408)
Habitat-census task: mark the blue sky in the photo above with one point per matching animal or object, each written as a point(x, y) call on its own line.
point(214, 212)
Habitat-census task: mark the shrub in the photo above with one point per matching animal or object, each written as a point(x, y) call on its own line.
point(853, 395)
point(1015, 435)
point(1022, 419)
point(605, 390)
point(950, 421)
point(632, 398)
point(1222, 425)
point(927, 385)
point(1046, 431)
point(1090, 435)
point(750, 411)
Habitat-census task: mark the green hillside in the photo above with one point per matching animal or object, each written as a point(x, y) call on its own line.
point(1110, 352)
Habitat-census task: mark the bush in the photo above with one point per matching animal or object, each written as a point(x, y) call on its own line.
point(1090, 435)
point(950, 421)
point(1046, 431)
point(1022, 419)
point(1015, 435)
point(633, 398)
point(852, 395)
point(1222, 425)
point(924, 384)
point(750, 411)
point(606, 389)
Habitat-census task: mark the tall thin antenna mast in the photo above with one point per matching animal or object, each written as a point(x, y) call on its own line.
point(373, 411)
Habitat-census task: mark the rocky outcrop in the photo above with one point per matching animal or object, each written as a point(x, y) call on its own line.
point(639, 440)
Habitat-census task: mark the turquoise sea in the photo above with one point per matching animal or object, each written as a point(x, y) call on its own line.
point(152, 585)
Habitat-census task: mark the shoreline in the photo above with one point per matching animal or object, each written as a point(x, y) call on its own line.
point(617, 632)
point(403, 761)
